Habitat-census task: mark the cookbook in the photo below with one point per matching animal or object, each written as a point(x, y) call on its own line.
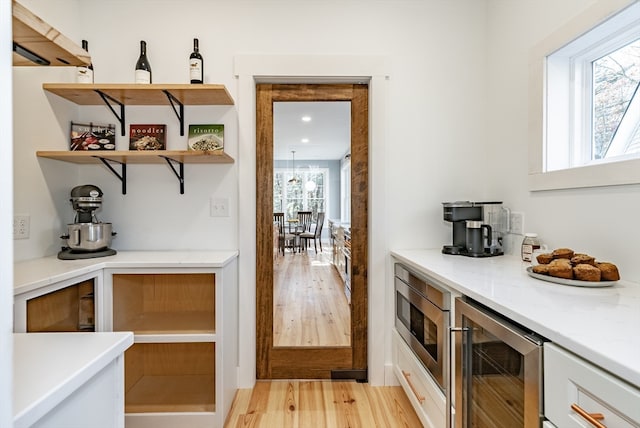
point(206, 137)
point(92, 136)
point(147, 137)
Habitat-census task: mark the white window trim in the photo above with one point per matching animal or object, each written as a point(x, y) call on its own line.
point(600, 174)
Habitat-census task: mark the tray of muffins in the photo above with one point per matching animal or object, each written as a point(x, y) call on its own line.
point(564, 266)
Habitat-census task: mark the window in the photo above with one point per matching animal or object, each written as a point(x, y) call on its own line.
point(300, 191)
point(590, 97)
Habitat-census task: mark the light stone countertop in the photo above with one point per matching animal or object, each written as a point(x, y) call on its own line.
point(33, 274)
point(49, 367)
point(600, 324)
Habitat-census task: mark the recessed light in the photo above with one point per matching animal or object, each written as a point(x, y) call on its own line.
point(305, 140)
point(306, 118)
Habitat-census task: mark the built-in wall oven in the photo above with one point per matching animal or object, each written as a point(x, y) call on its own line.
point(422, 319)
point(498, 370)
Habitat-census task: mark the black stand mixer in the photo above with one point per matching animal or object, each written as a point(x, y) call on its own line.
point(87, 237)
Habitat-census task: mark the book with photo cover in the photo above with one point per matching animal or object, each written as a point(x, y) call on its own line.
point(92, 136)
point(206, 137)
point(147, 137)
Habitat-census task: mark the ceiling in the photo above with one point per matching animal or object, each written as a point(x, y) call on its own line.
point(328, 131)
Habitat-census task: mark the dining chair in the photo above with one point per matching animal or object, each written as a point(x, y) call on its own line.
point(304, 225)
point(316, 235)
point(285, 240)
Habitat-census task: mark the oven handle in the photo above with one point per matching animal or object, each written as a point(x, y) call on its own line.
point(448, 398)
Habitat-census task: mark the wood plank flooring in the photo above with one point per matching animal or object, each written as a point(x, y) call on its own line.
point(330, 404)
point(310, 308)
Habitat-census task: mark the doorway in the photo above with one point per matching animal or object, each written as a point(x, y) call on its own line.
point(322, 362)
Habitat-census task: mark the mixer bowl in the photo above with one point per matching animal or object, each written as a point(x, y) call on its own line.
point(87, 237)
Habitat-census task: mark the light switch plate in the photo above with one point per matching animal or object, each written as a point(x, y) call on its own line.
point(219, 207)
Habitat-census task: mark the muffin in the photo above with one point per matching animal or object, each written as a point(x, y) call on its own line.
point(586, 272)
point(562, 253)
point(561, 268)
point(583, 258)
point(609, 271)
point(541, 269)
point(545, 258)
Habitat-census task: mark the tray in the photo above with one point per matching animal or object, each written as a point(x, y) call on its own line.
point(571, 282)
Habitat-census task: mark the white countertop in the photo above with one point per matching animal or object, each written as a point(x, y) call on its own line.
point(48, 367)
point(33, 274)
point(600, 324)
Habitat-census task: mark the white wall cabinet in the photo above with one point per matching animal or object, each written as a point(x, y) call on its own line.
point(181, 370)
point(573, 386)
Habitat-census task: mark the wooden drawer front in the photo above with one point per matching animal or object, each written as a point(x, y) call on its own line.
point(570, 380)
point(424, 394)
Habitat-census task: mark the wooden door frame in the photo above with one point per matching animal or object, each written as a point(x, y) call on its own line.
point(321, 362)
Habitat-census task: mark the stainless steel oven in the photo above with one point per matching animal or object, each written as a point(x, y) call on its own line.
point(498, 370)
point(422, 319)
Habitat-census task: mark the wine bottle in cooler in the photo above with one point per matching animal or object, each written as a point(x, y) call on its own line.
point(143, 68)
point(196, 64)
point(84, 73)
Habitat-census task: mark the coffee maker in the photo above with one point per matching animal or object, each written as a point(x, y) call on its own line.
point(478, 228)
point(86, 237)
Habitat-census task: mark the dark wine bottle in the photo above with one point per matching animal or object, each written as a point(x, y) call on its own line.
point(84, 73)
point(196, 64)
point(143, 68)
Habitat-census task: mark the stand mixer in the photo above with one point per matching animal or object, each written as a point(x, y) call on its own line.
point(87, 237)
point(478, 228)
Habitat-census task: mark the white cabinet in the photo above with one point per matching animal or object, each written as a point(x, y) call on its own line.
point(70, 380)
point(181, 370)
point(425, 396)
point(63, 306)
point(573, 386)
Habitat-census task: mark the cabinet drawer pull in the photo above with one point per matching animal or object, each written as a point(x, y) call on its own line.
point(592, 418)
point(407, 376)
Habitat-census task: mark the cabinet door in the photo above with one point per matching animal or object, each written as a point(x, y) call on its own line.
point(68, 309)
point(575, 390)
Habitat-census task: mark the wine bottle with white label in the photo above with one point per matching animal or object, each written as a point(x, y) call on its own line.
point(196, 64)
point(143, 68)
point(84, 73)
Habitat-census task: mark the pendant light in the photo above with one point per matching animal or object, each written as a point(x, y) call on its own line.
point(294, 179)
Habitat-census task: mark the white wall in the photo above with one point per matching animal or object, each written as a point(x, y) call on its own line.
point(6, 220)
point(436, 53)
point(598, 221)
point(456, 123)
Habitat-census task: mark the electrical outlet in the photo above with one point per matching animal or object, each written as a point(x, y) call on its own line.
point(21, 227)
point(517, 223)
point(219, 207)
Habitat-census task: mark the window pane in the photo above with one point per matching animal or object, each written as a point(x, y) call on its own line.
point(616, 77)
point(278, 196)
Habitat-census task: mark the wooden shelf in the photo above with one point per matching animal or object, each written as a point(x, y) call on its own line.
point(177, 393)
point(32, 33)
point(141, 95)
point(175, 322)
point(138, 157)
point(122, 158)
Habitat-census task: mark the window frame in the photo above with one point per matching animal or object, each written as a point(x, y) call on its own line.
point(550, 150)
point(303, 173)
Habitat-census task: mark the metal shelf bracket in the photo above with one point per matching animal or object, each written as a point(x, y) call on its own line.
point(180, 174)
point(106, 98)
point(173, 101)
point(122, 177)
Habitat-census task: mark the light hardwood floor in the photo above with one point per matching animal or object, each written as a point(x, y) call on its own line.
point(310, 308)
point(329, 404)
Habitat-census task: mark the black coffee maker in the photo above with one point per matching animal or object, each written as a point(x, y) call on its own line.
point(473, 235)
